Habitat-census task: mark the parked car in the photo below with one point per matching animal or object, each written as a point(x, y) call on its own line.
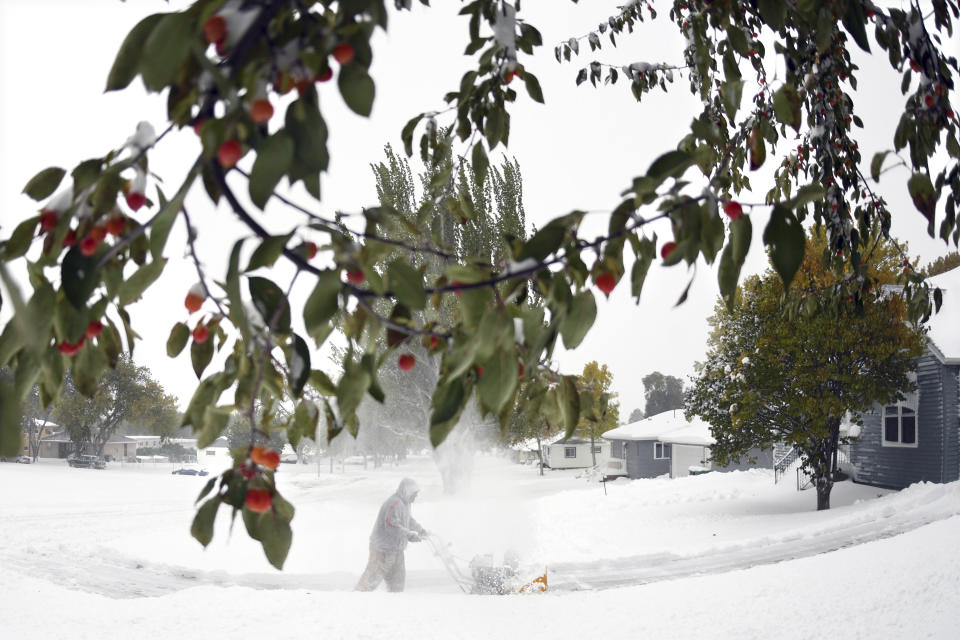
point(190, 470)
point(87, 462)
point(24, 459)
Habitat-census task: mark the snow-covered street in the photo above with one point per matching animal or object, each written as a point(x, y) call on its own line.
point(729, 555)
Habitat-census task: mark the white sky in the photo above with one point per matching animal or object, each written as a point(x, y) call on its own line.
point(577, 152)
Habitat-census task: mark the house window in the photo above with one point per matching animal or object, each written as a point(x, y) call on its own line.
point(211, 453)
point(900, 423)
point(569, 452)
point(661, 451)
point(596, 449)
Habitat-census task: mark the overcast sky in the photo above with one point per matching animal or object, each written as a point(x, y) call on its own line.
point(579, 151)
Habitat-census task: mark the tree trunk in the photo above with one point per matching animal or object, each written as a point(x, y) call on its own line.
point(540, 454)
point(593, 451)
point(824, 484)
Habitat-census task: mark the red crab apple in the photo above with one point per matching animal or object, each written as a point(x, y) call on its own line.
point(135, 200)
point(258, 500)
point(48, 220)
point(406, 362)
point(265, 457)
point(355, 276)
point(261, 111)
point(215, 29)
point(229, 152)
point(667, 250)
point(201, 333)
point(194, 299)
point(116, 225)
point(733, 209)
point(88, 246)
point(606, 283)
point(343, 53)
point(93, 329)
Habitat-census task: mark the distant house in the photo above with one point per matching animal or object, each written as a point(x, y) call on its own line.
point(59, 445)
point(575, 453)
point(669, 444)
point(43, 429)
point(916, 439)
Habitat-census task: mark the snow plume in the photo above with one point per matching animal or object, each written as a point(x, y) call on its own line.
point(454, 456)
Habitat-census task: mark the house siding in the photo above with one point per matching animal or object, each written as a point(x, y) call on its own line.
point(763, 459)
point(640, 461)
point(951, 413)
point(899, 467)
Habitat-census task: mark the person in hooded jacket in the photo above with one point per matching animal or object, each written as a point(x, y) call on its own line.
point(393, 529)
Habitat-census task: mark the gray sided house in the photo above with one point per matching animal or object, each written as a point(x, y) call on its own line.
point(668, 444)
point(916, 440)
point(575, 453)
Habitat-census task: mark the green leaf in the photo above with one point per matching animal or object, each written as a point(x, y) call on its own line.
point(79, 277)
point(304, 425)
point(758, 150)
point(569, 400)
point(165, 50)
point(21, 239)
point(548, 239)
point(269, 250)
point(646, 250)
point(671, 164)
point(44, 183)
point(732, 92)
point(11, 442)
point(786, 106)
point(448, 402)
point(741, 234)
point(160, 229)
point(580, 316)
point(406, 283)
point(201, 353)
point(322, 304)
point(298, 363)
point(808, 193)
point(924, 197)
point(480, 161)
point(276, 536)
point(179, 335)
point(272, 304)
point(854, 21)
point(322, 383)
point(407, 134)
point(533, 87)
point(202, 526)
point(125, 65)
point(876, 164)
point(773, 12)
point(142, 278)
point(274, 156)
point(784, 235)
point(357, 88)
point(499, 380)
point(309, 133)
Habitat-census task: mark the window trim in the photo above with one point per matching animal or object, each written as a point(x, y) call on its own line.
point(566, 453)
point(911, 402)
point(663, 451)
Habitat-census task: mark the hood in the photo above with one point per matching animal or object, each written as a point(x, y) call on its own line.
point(408, 489)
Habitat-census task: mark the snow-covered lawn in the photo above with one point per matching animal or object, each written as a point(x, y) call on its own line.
point(107, 554)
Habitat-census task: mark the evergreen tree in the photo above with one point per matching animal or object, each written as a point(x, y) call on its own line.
point(662, 393)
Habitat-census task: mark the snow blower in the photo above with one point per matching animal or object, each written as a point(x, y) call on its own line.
point(486, 576)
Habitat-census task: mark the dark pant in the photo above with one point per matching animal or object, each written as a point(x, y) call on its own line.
point(383, 566)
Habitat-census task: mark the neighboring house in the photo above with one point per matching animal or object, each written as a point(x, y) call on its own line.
point(669, 444)
point(59, 445)
point(916, 439)
point(43, 429)
point(575, 453)
point(216, 456)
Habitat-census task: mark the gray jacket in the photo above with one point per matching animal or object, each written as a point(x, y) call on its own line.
point(394, 525)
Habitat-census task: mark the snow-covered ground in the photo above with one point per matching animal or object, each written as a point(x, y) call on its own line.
point(107, 554)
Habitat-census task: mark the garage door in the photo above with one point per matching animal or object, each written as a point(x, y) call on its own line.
point(685, 456)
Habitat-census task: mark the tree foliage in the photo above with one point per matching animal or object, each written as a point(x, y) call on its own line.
point(127, 394)
point(662, 393)
point(217, 61)
point(942, 264)
point(772, 376)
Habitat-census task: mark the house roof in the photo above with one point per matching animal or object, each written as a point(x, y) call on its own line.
point(572, 440)
point(63, 436)
point(669, 426)
point(944, 326)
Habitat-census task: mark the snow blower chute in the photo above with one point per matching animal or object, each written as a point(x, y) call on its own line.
point(486, 576)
